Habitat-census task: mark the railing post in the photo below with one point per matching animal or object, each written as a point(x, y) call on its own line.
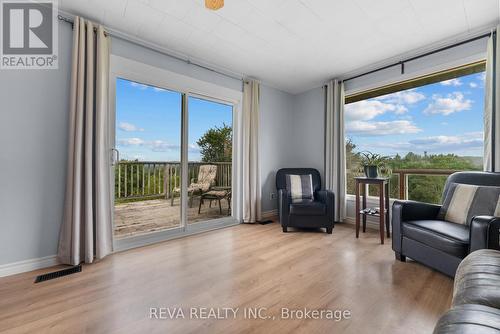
point(402, 185)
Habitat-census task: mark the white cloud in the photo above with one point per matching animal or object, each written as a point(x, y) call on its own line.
point(452, 82)
point(138, 85)
point(409, 96)
point(131, 142)
point(472, 85)
point(438, 144)
point(363, 128)
point(129, 127)
point(367, 110)
point(162, 146)
point(158, 89)
point(448, 105)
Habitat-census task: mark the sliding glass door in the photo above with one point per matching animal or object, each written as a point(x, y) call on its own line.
point(210, 159)
point(148, 170)
point(162, 136)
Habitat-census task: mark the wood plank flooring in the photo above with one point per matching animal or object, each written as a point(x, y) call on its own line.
point(241, 266)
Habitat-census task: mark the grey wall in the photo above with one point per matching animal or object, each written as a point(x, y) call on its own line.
point(309, 128)
point(292, 129)
point(33, 136)
point(277, 127)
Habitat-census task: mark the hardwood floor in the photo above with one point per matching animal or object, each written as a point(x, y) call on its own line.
point(242, 266)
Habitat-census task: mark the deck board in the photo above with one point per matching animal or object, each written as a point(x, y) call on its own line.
point(148, 216)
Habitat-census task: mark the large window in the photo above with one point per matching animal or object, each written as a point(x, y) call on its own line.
point(426, 132)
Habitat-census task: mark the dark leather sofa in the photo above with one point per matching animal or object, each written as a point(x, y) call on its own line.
point(476, 296)
point(315, 214)
point(420, 235)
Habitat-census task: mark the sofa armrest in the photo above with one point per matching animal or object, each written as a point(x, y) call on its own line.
point(284, 200)
point(484, 233)
point(327, 197)
point(409, 210)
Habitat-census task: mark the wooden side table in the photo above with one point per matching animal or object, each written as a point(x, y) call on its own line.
point(383, 211)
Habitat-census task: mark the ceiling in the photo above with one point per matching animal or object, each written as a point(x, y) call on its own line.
point(293, 45)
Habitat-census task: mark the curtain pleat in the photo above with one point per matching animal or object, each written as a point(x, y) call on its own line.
point(335, 162)
point(86, 231)
point(251, 171)
point(492, 106)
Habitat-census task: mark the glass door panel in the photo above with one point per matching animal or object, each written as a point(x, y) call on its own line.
point(148, 172)
point(210, 134)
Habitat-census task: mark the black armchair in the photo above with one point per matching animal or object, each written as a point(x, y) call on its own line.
point(419, 234)
point(316, 214)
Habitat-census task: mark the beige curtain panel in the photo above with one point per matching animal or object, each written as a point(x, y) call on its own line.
point(86, 232)
point(492, 106)
point(335, 163)
point(251, 171)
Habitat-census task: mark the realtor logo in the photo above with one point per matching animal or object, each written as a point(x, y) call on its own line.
point(29, 34)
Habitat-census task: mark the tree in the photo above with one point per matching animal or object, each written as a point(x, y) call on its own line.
point(216, 145)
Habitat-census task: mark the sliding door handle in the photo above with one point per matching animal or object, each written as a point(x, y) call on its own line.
point(115, 153)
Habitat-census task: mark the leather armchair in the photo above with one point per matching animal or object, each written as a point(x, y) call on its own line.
point(316, 214)
point(420, 235)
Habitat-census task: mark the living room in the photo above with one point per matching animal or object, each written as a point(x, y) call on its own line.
point(249, 166)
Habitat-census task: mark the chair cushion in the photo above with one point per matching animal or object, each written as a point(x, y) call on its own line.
point(464, 201)
point(448, 237)
point(308, 208)
point(469, 319)
point(300, 187)
point(478, 279)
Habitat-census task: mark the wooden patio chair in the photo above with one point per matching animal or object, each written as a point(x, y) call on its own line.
point(205, 180)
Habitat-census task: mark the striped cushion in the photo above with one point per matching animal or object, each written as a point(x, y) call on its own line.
point(300, 186)
point(464, 201)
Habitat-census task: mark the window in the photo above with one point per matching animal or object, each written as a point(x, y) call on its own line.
point(426, 132)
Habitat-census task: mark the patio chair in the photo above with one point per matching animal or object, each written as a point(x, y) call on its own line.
point(205, 180)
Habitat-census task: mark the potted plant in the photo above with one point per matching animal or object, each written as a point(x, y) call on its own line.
point(372, 162)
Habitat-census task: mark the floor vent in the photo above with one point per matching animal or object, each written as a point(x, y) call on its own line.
point(265, 222)
point(60, 273)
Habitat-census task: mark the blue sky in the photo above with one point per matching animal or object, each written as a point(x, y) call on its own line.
point(148, 122)
point(445, 117)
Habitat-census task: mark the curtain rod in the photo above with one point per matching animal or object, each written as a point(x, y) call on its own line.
point(402, 62)
point(186, 60)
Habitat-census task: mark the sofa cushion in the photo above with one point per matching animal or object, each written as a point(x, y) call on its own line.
point(448, 237)
point(469, 319)
point(478, 279)
point(308, 208)
point(464, 201)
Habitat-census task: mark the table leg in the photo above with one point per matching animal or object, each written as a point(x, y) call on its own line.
point(357, 209)
point(365, 194)
point(382, 212)
point(387, 214)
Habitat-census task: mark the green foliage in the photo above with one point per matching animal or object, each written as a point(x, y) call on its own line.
point(425, 188)
point(372, 159)
point(216, 144)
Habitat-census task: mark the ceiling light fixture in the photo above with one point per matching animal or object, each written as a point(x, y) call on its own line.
point(214, 4)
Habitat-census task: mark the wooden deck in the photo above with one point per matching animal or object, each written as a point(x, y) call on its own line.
point(155, 215)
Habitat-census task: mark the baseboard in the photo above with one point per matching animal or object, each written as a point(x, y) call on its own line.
point(269, 214)
point(28, 265)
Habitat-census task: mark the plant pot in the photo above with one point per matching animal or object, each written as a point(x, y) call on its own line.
point(371, 172)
